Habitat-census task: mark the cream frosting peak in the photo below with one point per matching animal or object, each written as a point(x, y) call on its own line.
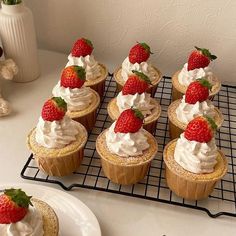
point(126, 144)
point(186, 112)
point(56, 134)
point(186, 77)
point(77, 99)
point(89, 63)
point(144, 67)
point(140, 101)
point(194, 156)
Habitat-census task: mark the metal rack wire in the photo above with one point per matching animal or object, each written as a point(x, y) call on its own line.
point(153, 187)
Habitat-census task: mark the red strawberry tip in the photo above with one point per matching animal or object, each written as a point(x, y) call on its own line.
point(142, 76)
point(60, 102)
point(211, 122)
point(205, 83)
point(206, 53)
point(19, 197)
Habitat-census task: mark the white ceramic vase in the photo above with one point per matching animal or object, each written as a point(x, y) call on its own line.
point(19, 40)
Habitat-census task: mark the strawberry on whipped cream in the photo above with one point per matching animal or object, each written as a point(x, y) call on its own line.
point(144, 67)
point(126, 144)
point(88, 62)
point(30, 225)
point(194, 156)
point(185, 112)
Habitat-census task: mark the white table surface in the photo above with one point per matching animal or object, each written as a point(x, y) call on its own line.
point(117, 215)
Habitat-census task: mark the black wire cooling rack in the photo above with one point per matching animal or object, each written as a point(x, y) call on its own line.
point(153, 187)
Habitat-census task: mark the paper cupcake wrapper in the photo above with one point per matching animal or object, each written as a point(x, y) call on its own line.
point(174, 131)
point(124, 175)
point(99, 88)
point(62, 165)
point(88, 121)
point(187, 189)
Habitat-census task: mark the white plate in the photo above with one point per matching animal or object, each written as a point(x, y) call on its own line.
point(75, 218)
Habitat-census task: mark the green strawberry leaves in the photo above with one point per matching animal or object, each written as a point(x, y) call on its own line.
point(19, 197)
point(211, 122)
point(204, 82)
point(206, 53)
point(142, 76)
point(60, 102)
point(80, 71)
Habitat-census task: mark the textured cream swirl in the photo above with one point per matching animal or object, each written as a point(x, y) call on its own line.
point(89, 63)
point(144, 67)
point(30, 225)
point(77, 99)
point(186, 77)
point(126, 144)
point(196, 157)
point(140, 101)
point(186, 112)
point(56, 134)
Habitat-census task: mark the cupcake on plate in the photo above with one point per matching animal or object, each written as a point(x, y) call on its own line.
point(196, 67)
point(96, 73)
point(194, 103)
point(126, 149)
point(134, 95)
point(193, 162)
point(23, 215)
point(138, 60)
point(57, 142)
point(82, 102)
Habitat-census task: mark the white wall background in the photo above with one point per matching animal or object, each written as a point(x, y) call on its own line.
point(170, 27)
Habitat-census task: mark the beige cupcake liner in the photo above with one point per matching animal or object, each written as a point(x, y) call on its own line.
point(99, 88)
point(123, 170)
point(60, 166)
point(120, 83)
point(188, 185)
point(59, 161)
point(50, 220)
point(177, 127)
point(178, 90)
point(150, 121)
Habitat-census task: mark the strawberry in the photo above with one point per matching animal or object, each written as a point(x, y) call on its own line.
point(54, 109)
point(139, 53)
point(129, 121)
point(200, 129)
point(198, 91)
point(136, 83)
point(14, 204)
point(73, 77)
point(200, 58)
point(82, 48)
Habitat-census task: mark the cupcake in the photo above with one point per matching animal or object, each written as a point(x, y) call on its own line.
point(96, 73)
point(197, 67)
point(193, 162)
point(57, 142)
point(82, 102)
point(194, 103)
point(138, 60)
point(134, 95)
point(23, 215)
point(126, 149)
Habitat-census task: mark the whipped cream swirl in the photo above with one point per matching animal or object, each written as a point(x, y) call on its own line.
point(186, 77)
point(89, 63)
point(56, 134)
point(126, 144)
point(144, 67)
point(196, 157)
point(186, 112)
point(139, 101)
point(30, 225)
point(77, 99)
